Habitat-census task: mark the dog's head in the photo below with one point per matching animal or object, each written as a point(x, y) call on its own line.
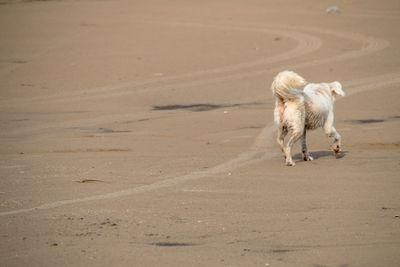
point(336, 89)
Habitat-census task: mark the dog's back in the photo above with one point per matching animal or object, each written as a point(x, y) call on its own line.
point(319, 99)
point(318, 105)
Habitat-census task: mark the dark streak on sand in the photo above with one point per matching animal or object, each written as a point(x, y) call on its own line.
point(251, 127)
point(268, 251)
point(106, 130)
point(171, 244)
point(194, 107)
point(202, 106)
point(133, 121)
point(51, 112)
point(366, 121)
point(93, 150)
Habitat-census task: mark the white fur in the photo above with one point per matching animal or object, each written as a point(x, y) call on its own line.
point(297, 111)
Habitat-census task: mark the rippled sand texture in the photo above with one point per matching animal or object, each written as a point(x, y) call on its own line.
point(140, 133)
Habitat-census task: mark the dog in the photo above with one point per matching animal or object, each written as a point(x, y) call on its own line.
point(297, 111)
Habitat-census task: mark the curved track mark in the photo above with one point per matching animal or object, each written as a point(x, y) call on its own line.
point(305, 44)
point(369, 45)
point(264, 140)
point(255, 154)
point(261, 149)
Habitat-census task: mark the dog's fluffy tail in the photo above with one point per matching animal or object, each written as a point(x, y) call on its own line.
point(285, 85)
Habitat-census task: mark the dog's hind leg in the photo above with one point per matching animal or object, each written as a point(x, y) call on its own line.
point(294, 136)
point(304, 148)
point(282, 132)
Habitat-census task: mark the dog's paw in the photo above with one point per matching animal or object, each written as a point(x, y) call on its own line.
point(336, 149)
point(308, 158)
point(290, 163)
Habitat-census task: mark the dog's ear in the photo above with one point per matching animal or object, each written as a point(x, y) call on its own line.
point(336, 88)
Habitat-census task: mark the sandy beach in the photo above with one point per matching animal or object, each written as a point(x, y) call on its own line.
point(140, 133)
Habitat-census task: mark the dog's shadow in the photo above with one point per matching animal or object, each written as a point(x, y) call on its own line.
point(320, 154)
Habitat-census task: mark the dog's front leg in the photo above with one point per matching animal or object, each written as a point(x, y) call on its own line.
point(304, 148)
point(332, 133)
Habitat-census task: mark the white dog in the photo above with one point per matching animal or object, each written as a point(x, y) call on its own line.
point(297, 111)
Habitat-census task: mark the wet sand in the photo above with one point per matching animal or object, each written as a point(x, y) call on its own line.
point(141, 134)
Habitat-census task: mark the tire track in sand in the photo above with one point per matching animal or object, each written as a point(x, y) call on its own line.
point(263, 148)
point(263, 142)
point(369, 45)
point(306, 44)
